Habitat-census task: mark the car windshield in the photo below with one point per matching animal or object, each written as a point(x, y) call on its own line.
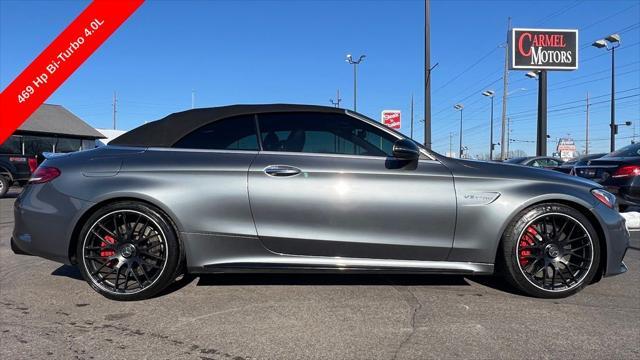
point(632, 150)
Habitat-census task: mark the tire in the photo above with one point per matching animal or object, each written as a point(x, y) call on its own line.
point(128, 251)
point(4, 186)
point(550, 251)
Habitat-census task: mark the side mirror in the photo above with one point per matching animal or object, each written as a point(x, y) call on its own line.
point(406, 149)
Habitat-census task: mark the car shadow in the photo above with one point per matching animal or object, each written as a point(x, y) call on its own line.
point(330, 279)
point(68, 271)
point(266, 279)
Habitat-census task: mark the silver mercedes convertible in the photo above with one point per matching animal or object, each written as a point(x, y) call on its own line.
point(298, 188)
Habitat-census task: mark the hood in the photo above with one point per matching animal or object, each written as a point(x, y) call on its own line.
point(507, 171)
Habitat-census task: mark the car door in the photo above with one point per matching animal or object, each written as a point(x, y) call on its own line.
point(325, 184)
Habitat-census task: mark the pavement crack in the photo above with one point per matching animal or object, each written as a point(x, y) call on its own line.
point(415, 305)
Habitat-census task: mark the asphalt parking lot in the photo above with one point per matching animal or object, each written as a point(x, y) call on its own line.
point(48, 311)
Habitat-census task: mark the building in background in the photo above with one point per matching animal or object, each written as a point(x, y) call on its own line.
point(51, 128)
point(109, 134)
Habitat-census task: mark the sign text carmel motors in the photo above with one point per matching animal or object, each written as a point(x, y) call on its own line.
point(544, 49)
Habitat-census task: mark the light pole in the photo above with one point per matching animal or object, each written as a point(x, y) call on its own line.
point(460, 107)
point(355, 64)
point(610, 43)
point(490, 94)
point(541, 136)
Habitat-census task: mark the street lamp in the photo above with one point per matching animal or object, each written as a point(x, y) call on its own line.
point(490, 94)
point(459, 107)
point(610, 43)
point(355, 64)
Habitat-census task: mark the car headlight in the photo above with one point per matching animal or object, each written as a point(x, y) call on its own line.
point(605, 197)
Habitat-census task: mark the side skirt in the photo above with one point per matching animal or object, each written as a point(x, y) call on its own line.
point(306, 264)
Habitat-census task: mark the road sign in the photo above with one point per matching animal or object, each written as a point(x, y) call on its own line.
point(391, 118)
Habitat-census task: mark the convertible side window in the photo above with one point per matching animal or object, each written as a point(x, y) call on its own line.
point(235, 133)
point(324, 133)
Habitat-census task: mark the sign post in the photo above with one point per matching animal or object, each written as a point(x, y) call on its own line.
point(391, 119)
point(541, 50)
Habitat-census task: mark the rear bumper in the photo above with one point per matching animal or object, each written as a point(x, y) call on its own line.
point(626, 195)
point(44, 222)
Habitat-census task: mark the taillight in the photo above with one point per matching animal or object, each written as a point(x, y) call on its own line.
point(44, 174)
point(624, 171)
point(33, 164)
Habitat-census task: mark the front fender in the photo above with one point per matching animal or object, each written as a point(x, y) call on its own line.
point(479, 228)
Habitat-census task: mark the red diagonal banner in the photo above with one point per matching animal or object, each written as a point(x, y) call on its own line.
point(60, 59)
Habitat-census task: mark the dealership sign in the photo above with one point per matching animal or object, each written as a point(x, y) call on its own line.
point(544, 49)
point(391, 118)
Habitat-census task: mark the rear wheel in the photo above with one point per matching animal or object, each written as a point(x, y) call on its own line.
point(128, 251)
point(4, 185)
point(550, 251)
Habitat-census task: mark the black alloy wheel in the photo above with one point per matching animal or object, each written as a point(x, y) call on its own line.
point(551, 251)
point(128, 251)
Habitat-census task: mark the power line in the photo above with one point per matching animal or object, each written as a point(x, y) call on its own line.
point(607, 18)
point(575, 101)
point(558, 13)
point(468, 68)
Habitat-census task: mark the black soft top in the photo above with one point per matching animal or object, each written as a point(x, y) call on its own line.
point(168, 130)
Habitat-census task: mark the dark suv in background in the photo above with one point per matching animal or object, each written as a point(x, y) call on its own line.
point(619, 172)
point(15, 169)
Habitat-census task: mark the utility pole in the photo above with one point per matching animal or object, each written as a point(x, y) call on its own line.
point(450, 144)
point(412, 115)
point(336, 103)
point(193, 99)
point(115, 110)
point(505, 78)
point(586, 146)
point(508, 135)
point(427, 77)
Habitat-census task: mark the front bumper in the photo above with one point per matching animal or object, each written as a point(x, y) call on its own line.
point(616, 239)
point(44, 222)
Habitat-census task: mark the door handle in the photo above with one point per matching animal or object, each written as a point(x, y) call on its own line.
point(281, 170)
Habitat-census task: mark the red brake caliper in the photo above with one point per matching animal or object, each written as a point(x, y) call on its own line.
point(108, 240)
point(527, 239)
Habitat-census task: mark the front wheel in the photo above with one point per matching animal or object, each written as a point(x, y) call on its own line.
point(128, 251)
point(550, 251)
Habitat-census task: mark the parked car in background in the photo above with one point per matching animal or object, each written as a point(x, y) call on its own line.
point(15, 170)
point(545, 162)
point(567, 166)
point(617, 172)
